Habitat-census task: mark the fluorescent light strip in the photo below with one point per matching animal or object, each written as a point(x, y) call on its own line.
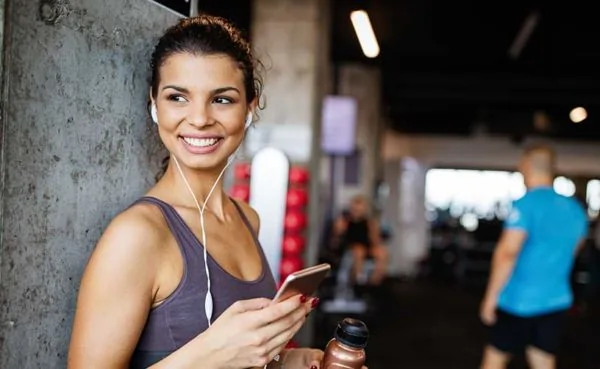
point(364, 32)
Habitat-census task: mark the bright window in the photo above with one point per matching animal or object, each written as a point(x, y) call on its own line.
point(482, 194)
point(593, 197)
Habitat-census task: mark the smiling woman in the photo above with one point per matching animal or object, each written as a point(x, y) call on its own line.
point(178, 279)
point(206, 92)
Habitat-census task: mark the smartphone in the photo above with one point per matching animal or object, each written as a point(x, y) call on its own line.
point(305, 282)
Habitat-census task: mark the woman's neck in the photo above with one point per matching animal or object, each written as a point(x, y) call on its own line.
point(200, 183)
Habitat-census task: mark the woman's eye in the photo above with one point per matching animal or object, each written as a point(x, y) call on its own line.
point(177, 98)
point(222, 100)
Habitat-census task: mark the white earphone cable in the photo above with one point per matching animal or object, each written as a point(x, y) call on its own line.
point(208, 302)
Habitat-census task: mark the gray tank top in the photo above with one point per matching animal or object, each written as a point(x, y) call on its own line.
point(181, 316)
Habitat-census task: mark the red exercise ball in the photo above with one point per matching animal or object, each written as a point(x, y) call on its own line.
point(297, 197)
point(290, 265)
point(299, 175)
point(242, 171)
point(294, 221)
point(293, 245)
point(241, 192)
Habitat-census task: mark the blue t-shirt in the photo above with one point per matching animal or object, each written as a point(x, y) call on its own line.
point(540, 281)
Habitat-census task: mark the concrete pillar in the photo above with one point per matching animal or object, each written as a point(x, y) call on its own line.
point(391, 215)
point(291, 37)
point(364, 84)
point(404, 210)
point(413, 233)
point(77, 148)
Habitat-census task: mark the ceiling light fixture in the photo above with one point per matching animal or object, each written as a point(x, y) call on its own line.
point(523, 36)
point(364, 33)
point(578, 115)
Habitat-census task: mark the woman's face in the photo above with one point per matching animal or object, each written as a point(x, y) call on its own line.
point(201, 105)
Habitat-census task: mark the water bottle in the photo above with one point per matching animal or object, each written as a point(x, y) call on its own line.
point(346, 350)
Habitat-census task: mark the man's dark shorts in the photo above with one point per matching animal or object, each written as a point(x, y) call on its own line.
point(512, 334)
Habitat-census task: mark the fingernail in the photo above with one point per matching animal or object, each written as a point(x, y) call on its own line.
point(314, 302)
point(303, 299)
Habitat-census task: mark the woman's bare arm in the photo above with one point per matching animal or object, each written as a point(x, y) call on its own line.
point(116, 293)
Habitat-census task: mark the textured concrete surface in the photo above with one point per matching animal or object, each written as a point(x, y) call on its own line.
point(78, 148)
point(287, 35)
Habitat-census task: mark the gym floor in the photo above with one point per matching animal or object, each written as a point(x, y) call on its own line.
point(429, 324)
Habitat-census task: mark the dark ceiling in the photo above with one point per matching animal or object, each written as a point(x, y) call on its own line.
point(446, 67)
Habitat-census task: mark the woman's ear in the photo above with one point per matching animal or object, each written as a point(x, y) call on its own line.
point(253, 106)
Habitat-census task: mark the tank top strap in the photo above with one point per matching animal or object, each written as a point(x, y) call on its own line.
point(245, 220)
point(185, 239)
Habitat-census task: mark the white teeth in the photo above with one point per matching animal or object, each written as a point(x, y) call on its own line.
point(201, 142)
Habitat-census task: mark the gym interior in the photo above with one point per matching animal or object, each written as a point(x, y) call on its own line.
point(420, 109)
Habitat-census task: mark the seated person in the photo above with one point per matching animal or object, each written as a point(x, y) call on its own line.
point(357, 231)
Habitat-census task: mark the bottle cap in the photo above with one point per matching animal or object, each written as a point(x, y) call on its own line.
point(352, 332)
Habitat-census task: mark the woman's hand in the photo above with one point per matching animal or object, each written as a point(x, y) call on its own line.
point(303, 358)
point(252, 332)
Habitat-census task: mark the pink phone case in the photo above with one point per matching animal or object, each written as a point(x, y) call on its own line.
point(305, 282)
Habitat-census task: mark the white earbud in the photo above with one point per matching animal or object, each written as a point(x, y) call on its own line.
point(248, 120)
point(154, 113)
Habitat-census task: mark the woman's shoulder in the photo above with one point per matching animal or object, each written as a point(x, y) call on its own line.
point(139, 216)
point(139, 228)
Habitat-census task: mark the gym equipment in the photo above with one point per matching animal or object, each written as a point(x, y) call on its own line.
point(344, 298)
point(299, 175)
point(289, 265)
point(297, 198)
point(268, 191)
point(293, 245)
point(241, 192)
point(242, 171)
point(295, 221)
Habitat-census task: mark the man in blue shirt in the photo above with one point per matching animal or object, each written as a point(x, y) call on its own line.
point(529, 291)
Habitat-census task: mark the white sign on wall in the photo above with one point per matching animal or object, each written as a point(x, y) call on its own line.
point(338, 125)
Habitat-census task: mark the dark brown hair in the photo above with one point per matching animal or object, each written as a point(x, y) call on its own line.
point(207, 35)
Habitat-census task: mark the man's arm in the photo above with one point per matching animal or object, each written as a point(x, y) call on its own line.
point(503, 261)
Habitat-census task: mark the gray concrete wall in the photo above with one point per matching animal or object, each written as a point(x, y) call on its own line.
point(287, 35)
point(364, 84)
point(77, 149)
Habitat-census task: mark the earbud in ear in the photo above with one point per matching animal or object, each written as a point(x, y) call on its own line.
point(154, 113)
point(248, 120)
